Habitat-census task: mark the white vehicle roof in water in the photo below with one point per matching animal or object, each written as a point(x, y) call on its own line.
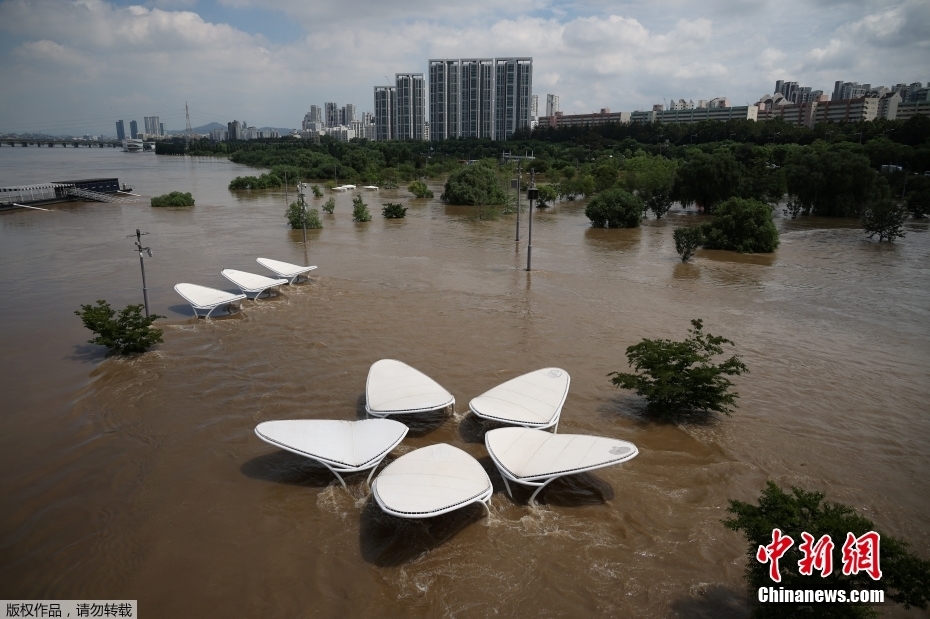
point(340, 446)
point(286, 270)
point(204, 299)
point(431, 481)
point(536, 457)
point(250, 284)
point(533, 400)
point(394, 388)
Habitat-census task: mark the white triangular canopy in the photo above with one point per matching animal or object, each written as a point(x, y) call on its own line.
point(204, 297)
point(349, 444)
point(529, 454)
point(251, 282)
point(393, 387)
point(431, 481)
point(534, 399)
point(283, 269)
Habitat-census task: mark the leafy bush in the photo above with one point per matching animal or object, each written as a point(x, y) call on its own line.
point(615, 208)
point(360, 210)
point(128, 333)
point(296, 215)
point(679, 377)
point(330, 205)
point(393, 210)
point(474, 185)
point(420, 190)
point(265, 181)
point(743, 225)
point(317, 193)
point(884, 218)
point(905, 576)
point(175, 198)
point(330, 184)
point(547, 195)
point(687, 241)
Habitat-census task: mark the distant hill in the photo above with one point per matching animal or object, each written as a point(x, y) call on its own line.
point(215, 125)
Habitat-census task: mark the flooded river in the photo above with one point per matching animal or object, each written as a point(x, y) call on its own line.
point(142, 478)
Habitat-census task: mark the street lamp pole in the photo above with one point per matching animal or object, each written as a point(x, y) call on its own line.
point(145, 291)
point(533, 195)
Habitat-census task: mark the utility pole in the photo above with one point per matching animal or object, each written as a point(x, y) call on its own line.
point(519, 159)
point(533, 194)
point(303, 208)
point(145, 291)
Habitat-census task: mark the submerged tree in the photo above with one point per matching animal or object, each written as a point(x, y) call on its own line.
point(743, 225)
point(706, 180)
point(420, 190)
point(614, 208)
point(330, 205)
point(884, 218)
point(175, 198)
point(298, 214)
point(474, 185)
point(679, 377)
point(687, 241)
point(127, 333)
point(393, 210)
point(360, 211)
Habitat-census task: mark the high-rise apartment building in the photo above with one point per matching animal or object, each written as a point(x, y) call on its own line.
point(477, 97)
point(161, 128)
point(133, 129)
point(316, 114)
point(234, 131)
point(332, 114)
point(411, 106)
point(350, 114)
point(481, 97)
point(120, 130)
point(152, 125)
point(444, 109)
point(552, 105)
point(513, 87)
point(385, 106)
point(849, 90)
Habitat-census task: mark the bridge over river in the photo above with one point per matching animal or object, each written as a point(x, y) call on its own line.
point(63, 143)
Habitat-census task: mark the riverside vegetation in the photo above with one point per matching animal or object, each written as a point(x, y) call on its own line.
point(822, 171)
point(126, 333)
point(175, 198)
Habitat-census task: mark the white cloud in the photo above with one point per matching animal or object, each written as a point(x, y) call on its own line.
point(139, 60)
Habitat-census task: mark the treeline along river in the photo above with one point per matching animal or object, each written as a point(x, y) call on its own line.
point(141, 478)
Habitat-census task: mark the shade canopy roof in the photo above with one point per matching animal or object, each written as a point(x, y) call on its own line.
point(203, 297)
point(348, 444)
point(284, 269)
point(431, 481)
point(533, 399)
point(529, 454)
point(393, 387)
point(250, 282)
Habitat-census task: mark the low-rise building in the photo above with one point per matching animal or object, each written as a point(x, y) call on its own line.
point(604, 117)
point(847, 110)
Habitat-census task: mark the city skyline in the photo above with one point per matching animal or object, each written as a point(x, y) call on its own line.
point(116, 60)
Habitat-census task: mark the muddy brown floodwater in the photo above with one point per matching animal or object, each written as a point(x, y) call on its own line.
point(142, 478)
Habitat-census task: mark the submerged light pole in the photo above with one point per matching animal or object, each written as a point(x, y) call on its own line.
point(519, 159)
point(303, 207)
point(533, 194)
point(145, 291)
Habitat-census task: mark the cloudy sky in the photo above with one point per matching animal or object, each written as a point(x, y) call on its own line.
point(75, 66)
